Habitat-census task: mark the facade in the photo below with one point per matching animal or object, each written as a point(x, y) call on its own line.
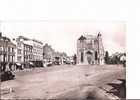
point(7, 50)
point(37, 50)
point(21, 49)
point(61, 58)
point(28, 50)
point(19, 57)
point(28, 54)
point(48, 53)
point(90, 49)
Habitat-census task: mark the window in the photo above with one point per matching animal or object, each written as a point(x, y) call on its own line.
point(82, 56)
point(19, 51)
point(19, 58)
point(1, 48)
point(12, 49)
point(8, 49)
point(96, 55)
point(19, 44)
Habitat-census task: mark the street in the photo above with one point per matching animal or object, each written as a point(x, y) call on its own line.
point(62, 81)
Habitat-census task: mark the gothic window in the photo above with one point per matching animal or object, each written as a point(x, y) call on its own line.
point(81, 41)
point(82, 57)
point(96, 55)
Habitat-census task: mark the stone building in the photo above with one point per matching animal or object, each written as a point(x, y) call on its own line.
point(37, 50)
point(28, 50)
point(22, 49)
point(48, 53)
point(90, 49)
point(7, 51)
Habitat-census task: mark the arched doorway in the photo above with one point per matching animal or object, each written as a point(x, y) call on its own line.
point(82, 57)
point(89, 57)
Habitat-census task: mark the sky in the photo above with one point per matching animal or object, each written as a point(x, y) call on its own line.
point(63, 35)
point(61, 22)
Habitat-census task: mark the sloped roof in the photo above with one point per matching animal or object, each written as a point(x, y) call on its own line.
point(91, 36)
point(29, 42)
point(99, 34)
point(8, 44)
point(82, 38)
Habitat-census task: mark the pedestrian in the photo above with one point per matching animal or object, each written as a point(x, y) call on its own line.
point(7, 67)
point(10, 66)
point(123, 60)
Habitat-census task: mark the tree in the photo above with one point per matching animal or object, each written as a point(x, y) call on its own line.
point(106, 57)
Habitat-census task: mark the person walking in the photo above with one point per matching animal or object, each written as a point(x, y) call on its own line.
point(7, 67)
point(123, 60)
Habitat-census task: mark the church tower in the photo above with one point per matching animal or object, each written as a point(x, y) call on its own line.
point(100, 49)
point(90, 49)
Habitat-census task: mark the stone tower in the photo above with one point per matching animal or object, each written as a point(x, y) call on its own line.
point(90, 49)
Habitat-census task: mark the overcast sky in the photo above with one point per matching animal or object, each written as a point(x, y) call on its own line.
point(63, 35)
point(61, 22)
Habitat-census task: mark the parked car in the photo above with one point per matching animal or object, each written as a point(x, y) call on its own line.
point(49, 64)
point(56, 63)
point(19, 66)
point(8, 75)
point(31, 65)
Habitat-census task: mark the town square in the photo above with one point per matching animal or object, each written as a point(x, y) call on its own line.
point(75, 66)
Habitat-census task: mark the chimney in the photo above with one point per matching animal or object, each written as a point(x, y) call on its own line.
point(0, 34)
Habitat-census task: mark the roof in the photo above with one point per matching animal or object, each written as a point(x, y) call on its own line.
point(82, 38)
point(23, 37)
point(28, 42)
point(91, 36)
point(7, 44)
point(37, 41)
point(99, 34)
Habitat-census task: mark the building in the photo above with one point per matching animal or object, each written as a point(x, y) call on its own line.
point(19, 56)
point(90, 49)
point(48, 53)
point(37, 50)
point(7, 51)
point(21, 50)
point(28, 50)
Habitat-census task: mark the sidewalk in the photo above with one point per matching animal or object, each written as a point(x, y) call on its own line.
point(26, 69)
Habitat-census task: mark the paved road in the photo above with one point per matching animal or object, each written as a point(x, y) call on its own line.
point(56, 82)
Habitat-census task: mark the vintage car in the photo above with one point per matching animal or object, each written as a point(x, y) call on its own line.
point(7, 75)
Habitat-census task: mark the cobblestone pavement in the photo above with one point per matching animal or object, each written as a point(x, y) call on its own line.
point(59, 82)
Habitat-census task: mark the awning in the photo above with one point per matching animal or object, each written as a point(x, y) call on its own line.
point(19, 64)
point(31, 63)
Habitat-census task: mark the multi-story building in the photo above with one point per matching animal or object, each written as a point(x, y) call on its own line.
point(61, 58)
point(19, 57)
point(28, 50)
point(7, 51)
point(37, 50)
point(20, 50)
point(90, 49)
point(48, 53)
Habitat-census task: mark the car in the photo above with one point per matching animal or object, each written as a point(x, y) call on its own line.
point(7, 75)
point(49, 64)
point(56, 63)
